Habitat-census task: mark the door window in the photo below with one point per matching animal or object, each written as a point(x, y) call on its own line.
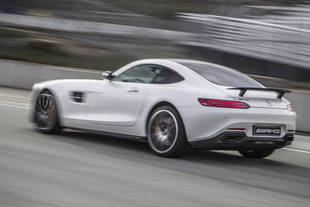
point(165, 75)
point(137, 74)
point(149, 73)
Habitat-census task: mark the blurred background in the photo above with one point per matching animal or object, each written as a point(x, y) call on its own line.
point(267, 39)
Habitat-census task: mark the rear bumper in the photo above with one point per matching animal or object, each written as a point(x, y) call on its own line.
point(202, 123)
point(239, 140)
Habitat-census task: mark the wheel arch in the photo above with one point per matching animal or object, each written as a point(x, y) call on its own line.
point(53, 92)
point(157, 105)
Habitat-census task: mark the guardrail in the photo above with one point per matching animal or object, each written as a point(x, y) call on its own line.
point(23, 75)
point(251, 37)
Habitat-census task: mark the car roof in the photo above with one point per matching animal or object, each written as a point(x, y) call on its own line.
point(176, 60)
point(178, 65)
point(184, 61)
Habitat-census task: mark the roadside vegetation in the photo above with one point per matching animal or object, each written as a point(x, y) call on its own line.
point(37, 47)
point(87, 51)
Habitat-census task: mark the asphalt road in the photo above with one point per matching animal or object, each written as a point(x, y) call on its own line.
point(78, 169)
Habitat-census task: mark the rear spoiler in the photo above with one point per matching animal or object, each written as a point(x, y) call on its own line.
point(243, 90)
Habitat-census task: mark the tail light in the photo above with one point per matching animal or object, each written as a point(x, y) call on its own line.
point(223, 103)
point(290, 107)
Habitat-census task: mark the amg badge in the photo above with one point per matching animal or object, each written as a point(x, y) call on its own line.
point(267, 130)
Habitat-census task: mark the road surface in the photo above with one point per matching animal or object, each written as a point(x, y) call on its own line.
point(79, 169)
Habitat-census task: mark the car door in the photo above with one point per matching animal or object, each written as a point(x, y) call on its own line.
point(118, 102)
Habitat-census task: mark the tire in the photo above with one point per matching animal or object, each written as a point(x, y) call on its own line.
point(166, 133)
point(256, 154)
point(46, 115)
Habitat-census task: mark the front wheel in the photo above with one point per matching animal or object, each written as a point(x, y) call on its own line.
point(256, 154)
point(166, 134)
point(46, 115)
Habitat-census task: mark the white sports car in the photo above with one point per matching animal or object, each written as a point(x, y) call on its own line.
point(174, 104)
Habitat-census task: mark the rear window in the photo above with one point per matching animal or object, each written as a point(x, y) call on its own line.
point(221, 75)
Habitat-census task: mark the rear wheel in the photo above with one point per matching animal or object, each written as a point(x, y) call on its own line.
point(166, 134)
point(256, 154)
point(46, 115)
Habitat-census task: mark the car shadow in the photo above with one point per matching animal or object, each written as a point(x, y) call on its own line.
point(267, 174)
point(140, 152)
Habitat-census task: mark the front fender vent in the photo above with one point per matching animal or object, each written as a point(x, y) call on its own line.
point(77, 96)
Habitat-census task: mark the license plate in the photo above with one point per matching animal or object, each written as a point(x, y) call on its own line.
point(267, 130)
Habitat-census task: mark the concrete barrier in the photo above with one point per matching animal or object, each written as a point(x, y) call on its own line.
point(23, 75)
point(300, 101)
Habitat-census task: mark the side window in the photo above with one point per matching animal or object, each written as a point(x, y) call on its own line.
point(165, 75)
point(149, 73)
point(137, 74)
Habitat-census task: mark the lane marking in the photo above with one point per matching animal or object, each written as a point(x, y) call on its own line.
point(3, 95)
point(15, 106)
point(297, 150)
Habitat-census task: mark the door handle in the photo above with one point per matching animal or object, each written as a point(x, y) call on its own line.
point(132, 90)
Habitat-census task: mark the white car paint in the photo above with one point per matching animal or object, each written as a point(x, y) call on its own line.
point(124, 108)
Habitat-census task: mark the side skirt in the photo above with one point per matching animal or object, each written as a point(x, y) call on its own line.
point(109, 134)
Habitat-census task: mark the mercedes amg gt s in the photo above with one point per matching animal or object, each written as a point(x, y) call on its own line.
point(174, 104)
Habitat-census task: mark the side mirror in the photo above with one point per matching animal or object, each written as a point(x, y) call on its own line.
point(107, 75)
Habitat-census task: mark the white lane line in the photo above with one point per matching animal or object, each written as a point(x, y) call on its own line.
point(15, 97)
point(297, 150)
point(15, 106)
